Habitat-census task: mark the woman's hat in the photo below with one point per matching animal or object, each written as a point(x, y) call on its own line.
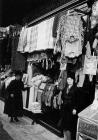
point(18, 73)
point(71, 75)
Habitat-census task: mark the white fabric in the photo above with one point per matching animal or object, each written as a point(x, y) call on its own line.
point(35, 107)
point(38, 37)
point(24, 96)
point(70, 26)
point(31, 96)
point(81, 77)
point(26, 49)
point(33, 38)
point(45, 39)
point(29, 72)
point(35, 83)
point(88, 49)
point(25, 79)
point(72, 49)
point(90, 65)
point(22, 40)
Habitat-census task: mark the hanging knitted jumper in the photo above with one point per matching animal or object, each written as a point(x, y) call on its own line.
point(70, 32)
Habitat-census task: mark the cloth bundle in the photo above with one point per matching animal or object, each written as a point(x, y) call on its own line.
point(35, 107)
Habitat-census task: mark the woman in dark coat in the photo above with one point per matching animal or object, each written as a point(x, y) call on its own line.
point(68, 110)
point(14, 103)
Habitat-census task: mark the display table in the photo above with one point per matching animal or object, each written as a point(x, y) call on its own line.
point(87, 126)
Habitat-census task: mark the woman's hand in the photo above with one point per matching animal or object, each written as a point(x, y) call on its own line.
point(74, 112)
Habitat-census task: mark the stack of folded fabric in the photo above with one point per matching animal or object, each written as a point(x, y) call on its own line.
point(35, 107)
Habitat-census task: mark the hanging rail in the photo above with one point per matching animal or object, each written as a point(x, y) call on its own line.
point(76, 2)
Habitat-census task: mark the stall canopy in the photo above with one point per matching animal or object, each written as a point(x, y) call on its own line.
point(14, 11)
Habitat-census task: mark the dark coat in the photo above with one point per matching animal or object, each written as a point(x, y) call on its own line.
point(69, 103)
point(14, 105)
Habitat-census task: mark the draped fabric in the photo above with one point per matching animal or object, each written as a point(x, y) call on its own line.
point(45, 39)
point(22, 40)
point(33, 38)
point(38, 37)
point(70, 32)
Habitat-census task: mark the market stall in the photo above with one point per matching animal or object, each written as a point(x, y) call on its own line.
point(49, 49)
point(58, 37)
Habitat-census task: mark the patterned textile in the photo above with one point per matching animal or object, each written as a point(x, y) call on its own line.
point(70, 32)
point(72, 49)
point(57, 101)
point(49, 94)
point(62, 80)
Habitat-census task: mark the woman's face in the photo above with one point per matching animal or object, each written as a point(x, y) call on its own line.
point(18, 77)
point(70, 81)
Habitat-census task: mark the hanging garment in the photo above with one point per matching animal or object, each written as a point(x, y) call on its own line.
point(33, 38)
point(95, 43)
point(39, 94)
point(55, 105)
point(32, 96)
point(32, 33)
point(35, 83)
point(59, 99)
point(79, 75)
point(57, 46)
point(49, 33)
point(24, 97)
point(88, 49)
point(28, 34)
point(22, 40)
point(70, 31)
point(49, 95)
point(63, 62)
point(45, 39)
point(29, 72)
point(90, 65)
point(72, 49)
point(62, 80)
point(25, 79)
